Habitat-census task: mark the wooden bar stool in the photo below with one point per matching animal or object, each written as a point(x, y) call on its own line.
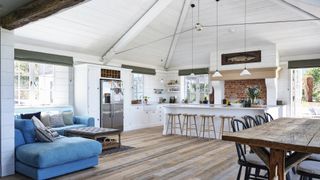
point(223, 119)
point(187, 121)
point(205, 119)
point(173, 123)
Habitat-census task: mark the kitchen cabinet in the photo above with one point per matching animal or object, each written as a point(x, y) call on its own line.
point(87, 91)
point(143, 116)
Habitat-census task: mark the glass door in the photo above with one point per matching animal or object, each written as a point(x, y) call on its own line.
point(305, 92)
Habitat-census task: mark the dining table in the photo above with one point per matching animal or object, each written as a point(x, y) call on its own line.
point(281, 144)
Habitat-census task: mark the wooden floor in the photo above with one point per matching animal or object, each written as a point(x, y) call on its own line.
point(163, 157)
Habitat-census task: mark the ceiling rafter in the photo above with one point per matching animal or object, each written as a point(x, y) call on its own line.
point(34, 11)
point(136, 29)
point(176, 35)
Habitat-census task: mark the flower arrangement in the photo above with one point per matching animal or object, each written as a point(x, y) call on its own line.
point(253, 93)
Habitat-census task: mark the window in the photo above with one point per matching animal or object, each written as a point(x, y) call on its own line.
point(196, 88)
point(35, 84)
point(137, 86)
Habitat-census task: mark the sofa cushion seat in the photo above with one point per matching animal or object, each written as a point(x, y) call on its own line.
point(60, 130)
point(61, 151)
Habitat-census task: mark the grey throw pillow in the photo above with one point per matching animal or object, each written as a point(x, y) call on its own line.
point(67, 117)
point(56, 120)
point(37, 123)
point(45, 119)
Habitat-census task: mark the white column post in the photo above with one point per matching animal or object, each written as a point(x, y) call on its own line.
point(7, 103)
point(272, 91)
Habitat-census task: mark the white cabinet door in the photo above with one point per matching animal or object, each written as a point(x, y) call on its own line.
point(94, 93)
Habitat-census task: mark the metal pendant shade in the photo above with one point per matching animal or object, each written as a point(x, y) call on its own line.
point(217, 74)
point(245, 72)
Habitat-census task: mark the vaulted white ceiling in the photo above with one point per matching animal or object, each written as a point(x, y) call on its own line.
point(95, 26)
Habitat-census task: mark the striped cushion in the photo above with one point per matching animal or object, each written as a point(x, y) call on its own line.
point(46, 135)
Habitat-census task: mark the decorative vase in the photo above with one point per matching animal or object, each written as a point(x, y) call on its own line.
point(253, 100)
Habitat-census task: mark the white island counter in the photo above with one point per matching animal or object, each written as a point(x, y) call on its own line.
point(219, 110)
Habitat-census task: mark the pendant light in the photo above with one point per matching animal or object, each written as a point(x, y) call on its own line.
point(192, 6)
point(245, 71)
point(217, 73)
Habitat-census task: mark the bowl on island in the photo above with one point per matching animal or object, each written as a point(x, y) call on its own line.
point(236, 104)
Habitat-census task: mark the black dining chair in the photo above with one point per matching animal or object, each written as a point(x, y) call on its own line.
point(248, 160)
point(261, 119)
point(308, 170)
point(250, 121)
point(268, 117)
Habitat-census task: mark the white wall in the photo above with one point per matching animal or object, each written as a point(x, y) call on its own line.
point(63, 84)
point(269, 58)
point(7, 103)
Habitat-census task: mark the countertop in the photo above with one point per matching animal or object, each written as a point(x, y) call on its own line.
point(216, 106)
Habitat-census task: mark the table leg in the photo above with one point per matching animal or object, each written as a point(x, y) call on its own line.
point(119, 136)
point(277, 164)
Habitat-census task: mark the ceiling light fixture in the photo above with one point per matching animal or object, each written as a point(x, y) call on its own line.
point(192, 6)
point(245, 71)
point(217, 73)
point(198, 26)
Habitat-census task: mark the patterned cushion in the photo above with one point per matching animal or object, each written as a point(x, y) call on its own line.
point(43, 134)
point(254, 159)
point(45, 119)
point(56, 120)
point(68, 117)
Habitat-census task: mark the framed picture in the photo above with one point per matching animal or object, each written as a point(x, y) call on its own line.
point(241, 57)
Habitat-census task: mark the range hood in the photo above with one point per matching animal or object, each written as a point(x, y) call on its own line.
point(256, 73)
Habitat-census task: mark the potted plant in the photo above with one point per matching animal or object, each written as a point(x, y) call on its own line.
point(253, 93)
point(145, 99)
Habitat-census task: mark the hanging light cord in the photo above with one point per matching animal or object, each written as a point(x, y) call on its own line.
point(217, 33)
point(192, 38)
point(245, 32)
point(198, 11)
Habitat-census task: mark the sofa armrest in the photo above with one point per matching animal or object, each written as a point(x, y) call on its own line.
point(87, 120)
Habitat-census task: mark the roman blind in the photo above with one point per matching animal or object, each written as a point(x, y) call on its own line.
point(311, 63)
point(140, 70)
point(187, 72)
point(39, 57)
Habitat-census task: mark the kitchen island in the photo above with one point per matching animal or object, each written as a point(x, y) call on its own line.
point(218, 110)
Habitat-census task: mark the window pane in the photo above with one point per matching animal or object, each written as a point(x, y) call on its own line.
point(24, 68)
point(137, 86)
point(24, 82)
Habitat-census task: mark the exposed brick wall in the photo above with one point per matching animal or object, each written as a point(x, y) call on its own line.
point(236, 88)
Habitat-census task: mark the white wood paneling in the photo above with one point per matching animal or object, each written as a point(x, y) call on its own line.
point(7, 104)
point(94, 26)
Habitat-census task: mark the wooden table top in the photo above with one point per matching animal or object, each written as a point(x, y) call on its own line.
point(290, 134)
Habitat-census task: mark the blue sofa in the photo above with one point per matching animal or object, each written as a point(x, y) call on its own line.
point(40, 160)
point(79, 121)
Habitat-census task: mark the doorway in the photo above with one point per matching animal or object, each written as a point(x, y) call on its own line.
point(305, 92)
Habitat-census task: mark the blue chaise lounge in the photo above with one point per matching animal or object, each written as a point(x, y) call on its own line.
point(40, 160)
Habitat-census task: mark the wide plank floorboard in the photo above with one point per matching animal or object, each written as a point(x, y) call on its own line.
point(163, 157)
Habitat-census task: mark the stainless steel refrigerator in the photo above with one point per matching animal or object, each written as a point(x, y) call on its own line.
point(111, 104)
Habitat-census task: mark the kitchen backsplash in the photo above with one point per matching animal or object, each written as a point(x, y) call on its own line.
point(236, 88)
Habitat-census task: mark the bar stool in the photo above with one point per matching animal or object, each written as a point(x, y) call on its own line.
point(173, 124)
point(187, 121)
point(223, 119)
point(204, 128)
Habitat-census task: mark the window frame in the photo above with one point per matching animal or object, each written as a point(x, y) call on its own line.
point(36, 72)
point(137, 86)
point(198, 93)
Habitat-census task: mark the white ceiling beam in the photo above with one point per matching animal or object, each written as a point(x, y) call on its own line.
point(287, 5)
point(136, 29)
point(176, 35)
